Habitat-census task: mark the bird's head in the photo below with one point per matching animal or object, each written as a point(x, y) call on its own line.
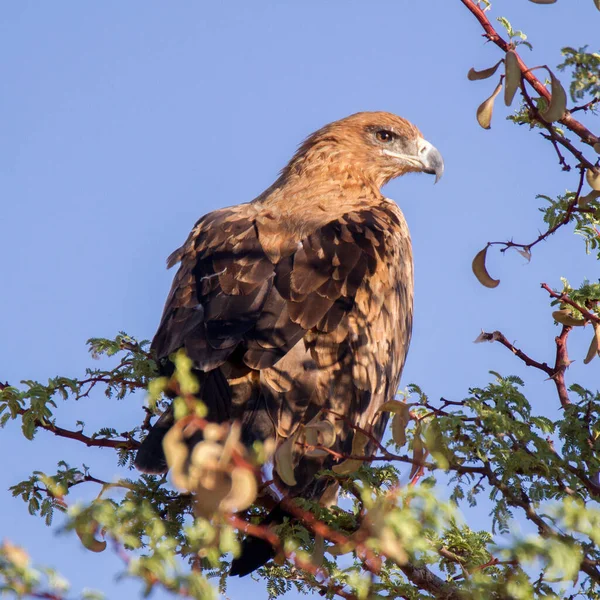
point(377, 145)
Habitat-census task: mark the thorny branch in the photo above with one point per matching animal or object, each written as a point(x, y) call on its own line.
point(127, 443)
point(556, 373)
point(571, 209)
point(590, 316)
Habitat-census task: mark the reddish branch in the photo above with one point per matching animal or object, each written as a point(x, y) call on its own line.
point(128, 444)
point(267, 534)
point(556, 373)
point(497, 336)
point(572, 207)
point(491, 34)
point(590, 316)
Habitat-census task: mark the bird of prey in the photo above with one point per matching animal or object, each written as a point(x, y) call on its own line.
point(300, 302)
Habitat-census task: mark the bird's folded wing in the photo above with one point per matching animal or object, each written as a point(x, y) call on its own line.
point(245, 286)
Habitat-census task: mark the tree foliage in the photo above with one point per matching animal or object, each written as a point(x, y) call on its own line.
point(490, 449)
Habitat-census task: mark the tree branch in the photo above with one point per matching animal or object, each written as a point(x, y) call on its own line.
point(491, 34)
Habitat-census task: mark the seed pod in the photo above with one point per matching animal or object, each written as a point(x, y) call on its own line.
point(418, 452)
point(480, 270)
point(594, 348)
point(284, 459)
point(512, 77)
point(399, 429)
point(583, 201)
point(564, 317)
point(484, 112)
point(597, 3)
point(558, 101)
point(358, 447)
point(593, 179)
point(473, 75)
point(243, 491)
point(85, 532)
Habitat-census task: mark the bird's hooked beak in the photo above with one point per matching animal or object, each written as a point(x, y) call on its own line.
point(431, 159)
point(427, 158)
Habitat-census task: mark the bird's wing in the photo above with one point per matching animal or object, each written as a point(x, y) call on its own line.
point(247, 292)
point(241, 282)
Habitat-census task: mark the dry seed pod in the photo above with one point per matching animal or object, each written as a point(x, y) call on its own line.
point(597, 3)
point(394, 406)
point(284, 459)
point(512, 78)
point(418, 452)
point(399, 424)
point(243, 491)
point(585, 200)
point(593, 179)
point(594, 348)
point(176, 453)
point(485, 110)
point(564, 317)
point(358, 447)
point(85, 533)
point(480, 270)
point(558, 101)
point(473, 75)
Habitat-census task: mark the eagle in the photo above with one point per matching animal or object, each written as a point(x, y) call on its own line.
point(299, 303)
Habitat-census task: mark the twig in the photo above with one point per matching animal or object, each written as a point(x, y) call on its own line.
point(566, 300)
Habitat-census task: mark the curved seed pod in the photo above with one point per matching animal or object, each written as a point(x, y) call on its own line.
point(394, 406)
point(585, 200)
point(176, 453)
point(358, 447)
point(594, 348)
point(311, 437)
point(558, 101)
point(85, 532)
point(284, 459)
point(399, 424)
point(418, 452)
point(597, 3)
point(212, 490)
point(243, 491)
point(512, 78)
point(473, 75)
point(593, 179)
point(323, 434)
point(400, 421)
point(480, 270)
point(486, 108)
point(564, 317)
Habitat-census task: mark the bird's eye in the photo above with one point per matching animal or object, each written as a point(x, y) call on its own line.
point(383, 135)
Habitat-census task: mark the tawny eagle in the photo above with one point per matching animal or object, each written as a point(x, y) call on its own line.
point(300, 302)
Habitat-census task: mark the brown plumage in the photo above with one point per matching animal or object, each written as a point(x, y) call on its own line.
point(301, 300)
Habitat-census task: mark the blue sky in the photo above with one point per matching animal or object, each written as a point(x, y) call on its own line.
point(122, 123)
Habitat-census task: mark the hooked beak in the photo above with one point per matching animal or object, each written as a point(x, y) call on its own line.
point(431, 159)
point(427, 159)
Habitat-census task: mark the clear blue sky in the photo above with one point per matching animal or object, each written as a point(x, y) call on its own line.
point(122, 123)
